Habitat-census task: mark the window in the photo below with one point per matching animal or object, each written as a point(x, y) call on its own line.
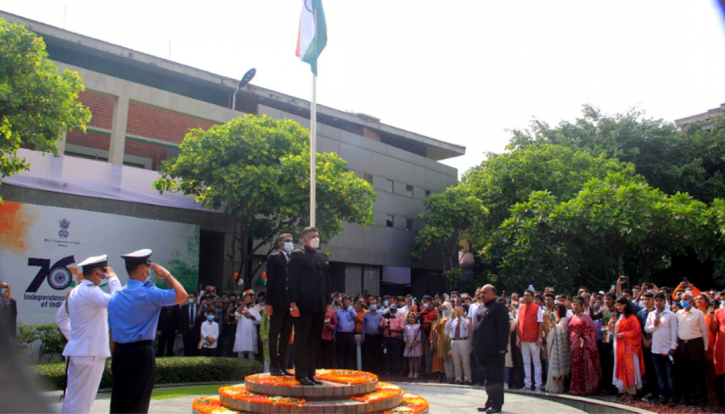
point(389, 221)
point(427, 193)
point(345, 170)
point(409, 190)
point(409, 223)
point(368, 178)
point(389, 186)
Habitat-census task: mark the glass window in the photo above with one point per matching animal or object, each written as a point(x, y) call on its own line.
point(409, 223)
point(409, 190)
point(389, 221)
point(389, 186)
point(368, 178)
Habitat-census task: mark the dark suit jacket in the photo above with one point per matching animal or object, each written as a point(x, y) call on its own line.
point(168, 319)
point(183, 321)
point(308, 280)
point(491, 330)
point(277, 280)
point(9, 314)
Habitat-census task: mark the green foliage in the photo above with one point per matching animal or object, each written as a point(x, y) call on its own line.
point(170, 370)
point(692, 160)
point(612, 226)
point(51, 339)
point(256, 169)
point(36, 103)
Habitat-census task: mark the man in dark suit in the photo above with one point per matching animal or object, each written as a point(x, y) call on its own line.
point(166, 330)
point(490, 342)
point(8, 313)
point(189, 325)
point(308, 290)
point(277, 306)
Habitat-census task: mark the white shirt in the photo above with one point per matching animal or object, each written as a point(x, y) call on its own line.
point(539, 316)
point(473, 310)
point(664, 335)
point(87, 305)
point(451, 327)
point(62, 319)
point(209, 329)
point(691, 325)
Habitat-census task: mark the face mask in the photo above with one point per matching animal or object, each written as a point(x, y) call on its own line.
point(385, 302)
point(446, 312)
point(289, 246)
point(2, 291)
point(373, 308)
point(190, 300)
point(425, 306)
point(210, 317)
point(685, 303)
point(151, 272)
point(315, 243)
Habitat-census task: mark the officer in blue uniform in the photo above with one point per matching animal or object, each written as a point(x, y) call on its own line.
point(133, 316)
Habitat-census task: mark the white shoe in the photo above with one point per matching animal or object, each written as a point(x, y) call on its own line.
point(537, 389)
point(505, 386)
point(415, 375)
point(410, 375)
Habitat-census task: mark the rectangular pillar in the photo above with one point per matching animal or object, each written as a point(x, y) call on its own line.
point(118, 130)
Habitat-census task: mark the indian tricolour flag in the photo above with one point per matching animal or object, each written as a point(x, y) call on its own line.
point(312, 37)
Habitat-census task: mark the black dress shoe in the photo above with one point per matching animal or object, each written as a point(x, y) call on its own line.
point(285, 372)
point(306, 381)
point(276, 372)
point(315, 380)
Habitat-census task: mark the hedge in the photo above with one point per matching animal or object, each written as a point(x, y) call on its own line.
point(169, 370)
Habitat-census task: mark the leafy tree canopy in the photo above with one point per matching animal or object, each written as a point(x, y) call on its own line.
point(691, 160)
point(256, 169)
point(37, 104)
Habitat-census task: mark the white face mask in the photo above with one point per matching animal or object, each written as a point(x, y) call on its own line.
point(289, 246)
point(315, 243)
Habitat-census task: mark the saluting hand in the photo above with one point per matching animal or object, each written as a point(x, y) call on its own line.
point(110, 272)
point(160, 271)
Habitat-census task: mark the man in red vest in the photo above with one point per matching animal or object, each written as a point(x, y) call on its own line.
point(530, 320)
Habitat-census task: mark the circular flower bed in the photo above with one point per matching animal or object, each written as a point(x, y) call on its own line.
point(211, 405)
point(267, 379)
point(345, 376)
point(412, 404)
point(240, 393)
point(385, 391)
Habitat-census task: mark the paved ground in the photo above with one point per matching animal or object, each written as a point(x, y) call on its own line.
point(447, 399)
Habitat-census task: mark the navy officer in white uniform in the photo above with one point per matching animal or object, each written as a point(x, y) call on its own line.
point(133, 315)
point(88, 346)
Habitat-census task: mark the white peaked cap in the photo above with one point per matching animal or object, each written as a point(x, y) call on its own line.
point(93, 260)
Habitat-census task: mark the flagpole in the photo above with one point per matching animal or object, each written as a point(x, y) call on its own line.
point(313, 141)
point(313, 149)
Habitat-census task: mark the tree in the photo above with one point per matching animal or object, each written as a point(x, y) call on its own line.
point(691, 160)
point(37, 104)
point(256, 169)
point(613, 226)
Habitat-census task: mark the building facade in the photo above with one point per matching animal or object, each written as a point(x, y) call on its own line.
point(142, 108)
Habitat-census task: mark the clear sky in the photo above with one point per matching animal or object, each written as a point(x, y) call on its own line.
point(464, 72)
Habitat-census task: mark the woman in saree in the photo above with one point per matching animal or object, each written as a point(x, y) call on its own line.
point(558, 348)
point(628, 357)
point(585, 369)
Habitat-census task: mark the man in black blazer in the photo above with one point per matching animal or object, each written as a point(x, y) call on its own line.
point(189, 325)
point(277, 305)
point(308, 290)
point(166, 330)
point(490, 342)
point(8, 313)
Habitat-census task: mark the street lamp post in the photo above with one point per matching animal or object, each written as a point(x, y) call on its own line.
point(245, 80)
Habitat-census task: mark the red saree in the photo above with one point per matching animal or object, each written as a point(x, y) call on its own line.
point(627, 347)
point(585, 369)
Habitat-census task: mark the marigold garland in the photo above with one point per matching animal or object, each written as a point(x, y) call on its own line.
point(385, 391)
point(412, 404)
point(346, 376)
point(267, 379)
point(240, 393)
point(211, 405)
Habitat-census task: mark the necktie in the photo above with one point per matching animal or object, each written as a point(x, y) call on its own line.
point(458, 329)
point(192, 315)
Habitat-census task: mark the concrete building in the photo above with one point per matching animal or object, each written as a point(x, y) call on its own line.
point(705, 118)
point(142, 108)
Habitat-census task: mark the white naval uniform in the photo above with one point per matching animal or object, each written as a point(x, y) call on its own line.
point(88, 345)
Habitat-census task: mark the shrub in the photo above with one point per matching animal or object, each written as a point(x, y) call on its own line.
point(169, 370)
point(51, 339)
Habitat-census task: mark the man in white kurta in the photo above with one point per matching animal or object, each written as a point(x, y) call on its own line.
point(88, 346)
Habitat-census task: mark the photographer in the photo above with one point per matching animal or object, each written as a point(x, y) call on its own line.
point(393, 327)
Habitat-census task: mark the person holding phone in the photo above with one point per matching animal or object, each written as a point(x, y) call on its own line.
point(245, 341)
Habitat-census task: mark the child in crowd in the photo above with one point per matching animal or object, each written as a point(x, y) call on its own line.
point(413, 348)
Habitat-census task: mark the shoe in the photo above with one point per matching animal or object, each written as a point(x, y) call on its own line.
point(492, 410)
point(410, 375)
point(483, 409)
point(415, 375)
point(306, 382)
point(537, 389)
point(505, 387)
point(276, 372)
point(315, 380)
point(285, 372)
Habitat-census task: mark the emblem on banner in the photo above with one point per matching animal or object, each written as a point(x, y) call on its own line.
point(64, 224)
